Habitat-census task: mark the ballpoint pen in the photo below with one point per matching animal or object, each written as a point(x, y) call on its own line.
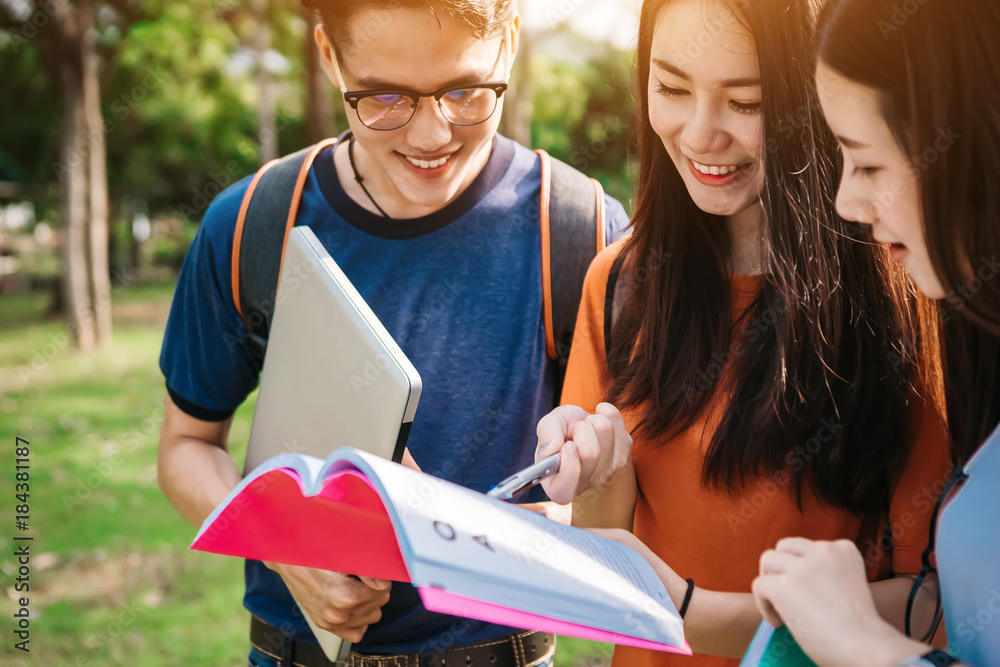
point(525, 479)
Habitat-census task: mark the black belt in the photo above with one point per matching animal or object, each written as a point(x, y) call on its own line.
point(522, 650)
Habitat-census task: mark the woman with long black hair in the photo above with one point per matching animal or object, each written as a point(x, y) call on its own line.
point(762, 354)
point(912, 93)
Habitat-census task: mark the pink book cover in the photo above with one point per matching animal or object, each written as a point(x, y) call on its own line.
point(274, 516)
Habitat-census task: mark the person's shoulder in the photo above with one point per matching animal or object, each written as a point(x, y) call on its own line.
point(219, 221)
point(601, 266)
point(606, 258)
point(529, 160)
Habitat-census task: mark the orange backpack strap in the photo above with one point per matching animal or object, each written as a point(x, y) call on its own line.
point(572, 213)
point(266, 217)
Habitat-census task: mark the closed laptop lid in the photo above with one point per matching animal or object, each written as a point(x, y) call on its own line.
point(333, 376)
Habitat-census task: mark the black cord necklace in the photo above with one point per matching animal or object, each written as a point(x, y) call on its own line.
point(361, 181)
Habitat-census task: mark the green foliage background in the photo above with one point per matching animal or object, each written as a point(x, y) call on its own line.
point(113, 582)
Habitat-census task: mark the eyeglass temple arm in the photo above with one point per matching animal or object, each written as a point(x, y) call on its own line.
point(335, 62)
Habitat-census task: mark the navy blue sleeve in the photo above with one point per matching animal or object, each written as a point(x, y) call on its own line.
point(616, 221)
point(208, 366)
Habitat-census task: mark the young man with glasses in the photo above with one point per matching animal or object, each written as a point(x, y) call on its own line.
point(434, 218)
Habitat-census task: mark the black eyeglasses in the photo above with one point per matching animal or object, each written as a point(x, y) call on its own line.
point(958, 477)
point(469, 104)
point(465, 104)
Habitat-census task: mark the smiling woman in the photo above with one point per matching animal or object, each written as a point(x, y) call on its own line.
point(767, 368)
point(706, 111)
point(914, 101)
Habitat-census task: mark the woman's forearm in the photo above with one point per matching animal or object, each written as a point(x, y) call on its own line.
point(718, 623)
point(610, 505)
point(715, 623)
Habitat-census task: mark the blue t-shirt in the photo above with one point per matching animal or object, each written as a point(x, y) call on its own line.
point(459, 290)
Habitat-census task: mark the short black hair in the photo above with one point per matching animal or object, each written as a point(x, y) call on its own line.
point(485, 18)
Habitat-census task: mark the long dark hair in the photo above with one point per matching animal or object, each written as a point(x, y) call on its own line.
point(934, 65)
point(837, 345)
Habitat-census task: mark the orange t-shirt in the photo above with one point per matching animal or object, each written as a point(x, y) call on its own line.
point(708, 535)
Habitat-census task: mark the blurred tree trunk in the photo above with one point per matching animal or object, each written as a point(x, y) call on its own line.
point(70, 28)
point(69, 52)
point(319, 112)
point(100, 280)
point(265, 102)
point(519, 98)
point(74, 187)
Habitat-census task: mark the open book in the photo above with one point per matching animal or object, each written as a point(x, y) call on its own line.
point(467, 554)
point(773, 647)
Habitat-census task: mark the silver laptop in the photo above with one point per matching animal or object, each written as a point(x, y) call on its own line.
point(333, 376)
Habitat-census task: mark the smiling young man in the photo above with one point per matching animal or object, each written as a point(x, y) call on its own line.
point(435, 219)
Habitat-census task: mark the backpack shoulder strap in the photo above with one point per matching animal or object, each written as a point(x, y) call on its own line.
point(610, 307)
point(572, 227)
point(267, 215)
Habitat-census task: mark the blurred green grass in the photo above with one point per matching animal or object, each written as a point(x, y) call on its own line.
point(112, 582)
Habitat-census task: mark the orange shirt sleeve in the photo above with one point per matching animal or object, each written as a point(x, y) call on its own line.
point(587, 376)
point(922, 479)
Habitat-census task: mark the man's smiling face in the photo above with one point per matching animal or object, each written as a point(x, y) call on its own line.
point(427, 163)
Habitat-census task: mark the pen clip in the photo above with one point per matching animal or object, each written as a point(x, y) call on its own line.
point(526, 479)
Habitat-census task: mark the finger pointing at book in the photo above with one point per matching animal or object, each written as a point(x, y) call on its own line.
point(339, 603)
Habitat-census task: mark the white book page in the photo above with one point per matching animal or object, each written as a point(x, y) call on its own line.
point(507, 555)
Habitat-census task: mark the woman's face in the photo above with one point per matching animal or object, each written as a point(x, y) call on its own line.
point(880, 186)
point(705, 104)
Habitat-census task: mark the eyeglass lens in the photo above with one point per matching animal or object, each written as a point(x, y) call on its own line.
point(920, 622)
point(462, 107)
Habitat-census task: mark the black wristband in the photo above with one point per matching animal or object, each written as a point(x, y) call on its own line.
point(687, 597)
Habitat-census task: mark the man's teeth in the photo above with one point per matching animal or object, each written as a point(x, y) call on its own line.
point(715, 171)
point(424, 164)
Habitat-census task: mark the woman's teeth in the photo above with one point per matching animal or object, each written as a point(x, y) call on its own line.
point(424, 164)
point(715, 170)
